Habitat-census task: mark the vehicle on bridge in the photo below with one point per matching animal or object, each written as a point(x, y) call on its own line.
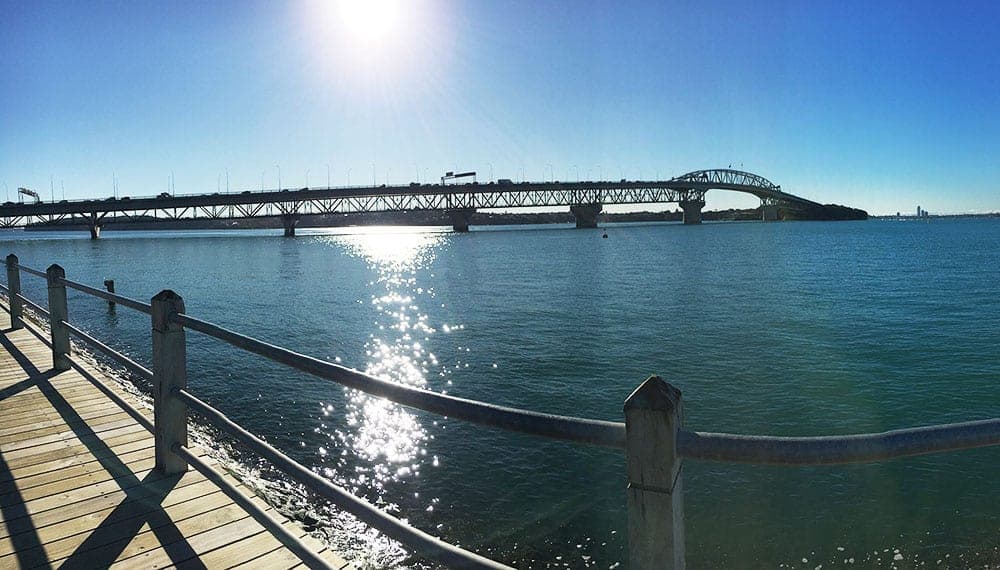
point(27, 192)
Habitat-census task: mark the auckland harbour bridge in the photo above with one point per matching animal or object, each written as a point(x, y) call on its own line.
point(460, 201)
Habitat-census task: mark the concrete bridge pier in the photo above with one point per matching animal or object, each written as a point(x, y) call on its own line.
point(692, 211)
point(289, 222)
point(586, 214)
point(94, 224)
point(769, 213)
point(460, 219)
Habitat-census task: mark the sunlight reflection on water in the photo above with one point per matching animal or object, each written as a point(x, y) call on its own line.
point(386, 439)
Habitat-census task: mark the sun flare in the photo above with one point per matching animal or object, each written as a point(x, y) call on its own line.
point(370, 20)
point(364, 47)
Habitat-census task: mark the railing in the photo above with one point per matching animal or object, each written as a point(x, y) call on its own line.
point(651, 436)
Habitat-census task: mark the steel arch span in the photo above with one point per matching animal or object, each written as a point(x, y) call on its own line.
point(739, 181)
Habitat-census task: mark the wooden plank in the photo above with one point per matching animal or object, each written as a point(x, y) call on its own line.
point(71, 470)
point(200, 535)
point(10, 379)
point(67, 432)
point(33, 400)
point(87, 413)
point(65, 540)
point(276, 559)
point(58, 463)
point(97, 509)
point(66, 498)
point(77, 445)
point(237, 553)
point(98, 417)
point(26, 385)
point(43, 409)
point(63, 484)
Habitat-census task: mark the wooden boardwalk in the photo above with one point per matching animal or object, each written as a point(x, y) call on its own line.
point(77, 489)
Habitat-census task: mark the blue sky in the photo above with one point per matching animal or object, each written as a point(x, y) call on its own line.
point(882, 107)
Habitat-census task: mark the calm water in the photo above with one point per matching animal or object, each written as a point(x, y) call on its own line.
point(785, 329)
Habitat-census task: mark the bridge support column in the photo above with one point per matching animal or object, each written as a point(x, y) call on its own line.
point(94, 224)
point(769, 213)
point(586, 214)
point(289, 221)
point(461, 218)
point(692, 211)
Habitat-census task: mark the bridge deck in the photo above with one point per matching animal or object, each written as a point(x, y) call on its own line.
point(77, 488)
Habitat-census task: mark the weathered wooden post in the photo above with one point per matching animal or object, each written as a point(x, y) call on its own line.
point(14, 289)
point(110, 285)
point(655, 491)
point(58, 316)
point(169, 374)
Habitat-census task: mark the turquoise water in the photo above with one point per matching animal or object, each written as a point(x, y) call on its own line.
point(784, 329)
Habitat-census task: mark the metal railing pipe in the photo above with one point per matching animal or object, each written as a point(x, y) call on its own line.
point(34, 306)
point(32, 326)
point(594, 432)
point(832, 450)
point(117, 399)
point(422, 543)
point(35, 272)
point(133, 366)
point(110, 297)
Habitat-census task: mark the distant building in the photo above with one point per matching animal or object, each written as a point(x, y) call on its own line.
point(919, 212)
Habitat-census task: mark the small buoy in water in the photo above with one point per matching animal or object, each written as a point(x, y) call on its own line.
point(605, 236)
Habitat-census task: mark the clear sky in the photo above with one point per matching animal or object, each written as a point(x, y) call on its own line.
point(876, 105)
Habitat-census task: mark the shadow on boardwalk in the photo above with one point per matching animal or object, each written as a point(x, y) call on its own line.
point(140, 509)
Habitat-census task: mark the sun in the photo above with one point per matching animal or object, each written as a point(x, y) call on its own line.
point(358, 46)
point(371, 20)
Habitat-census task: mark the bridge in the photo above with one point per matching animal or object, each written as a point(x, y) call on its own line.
point(585, 200)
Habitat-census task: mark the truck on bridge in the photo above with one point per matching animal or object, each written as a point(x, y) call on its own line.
point(27, 192)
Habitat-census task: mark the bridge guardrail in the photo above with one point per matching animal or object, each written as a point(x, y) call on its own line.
point(652, 435)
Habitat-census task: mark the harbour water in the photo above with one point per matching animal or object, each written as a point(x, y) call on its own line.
point(784, 329)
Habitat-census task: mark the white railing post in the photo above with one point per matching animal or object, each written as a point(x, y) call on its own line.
point(169, 374)
point(58, 316)
point(14, 289)
point(655, 491)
